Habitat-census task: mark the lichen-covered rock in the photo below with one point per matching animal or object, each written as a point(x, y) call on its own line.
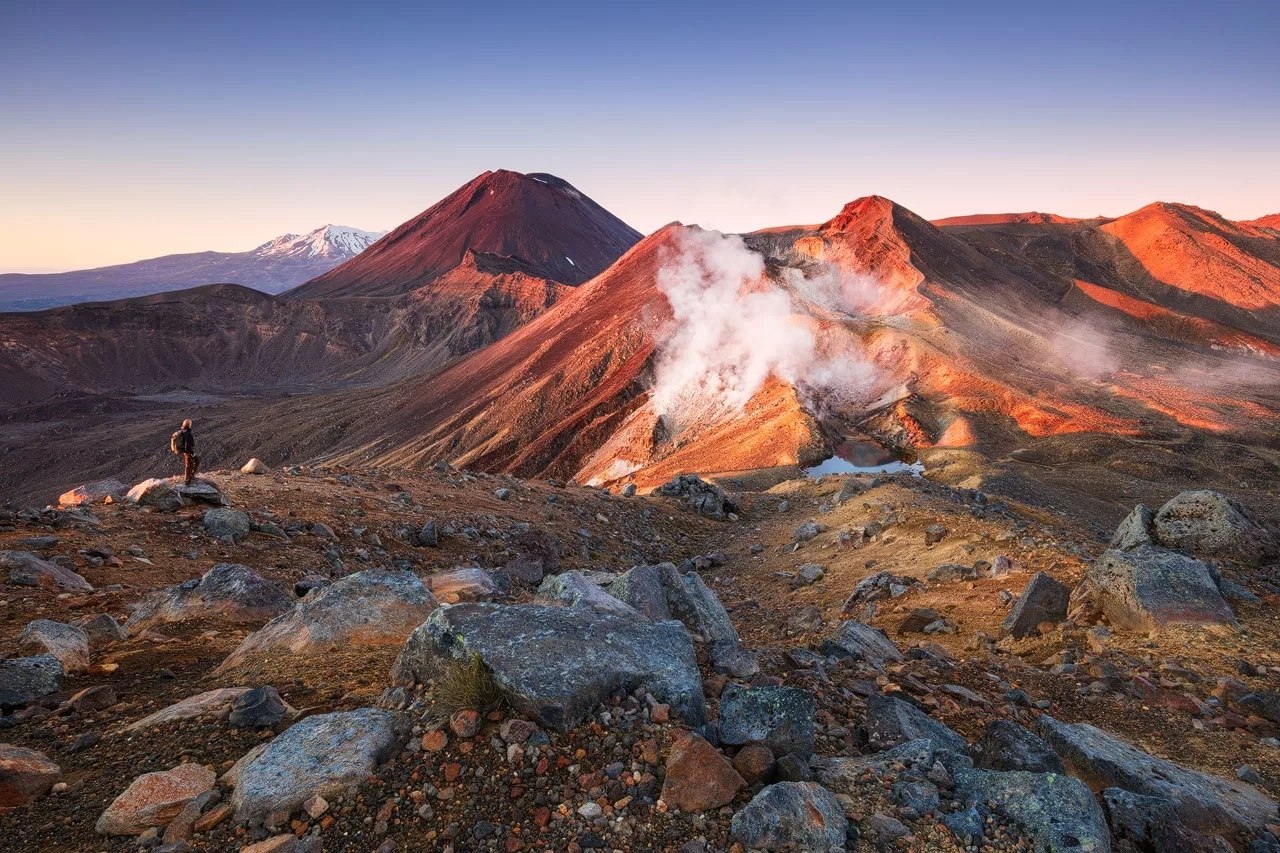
point(25, 775)
point(641, 588)
point(1208, 804)
point(154, 799)
point(229, 591)
point(779, 717)
point(1135, 530)
point(93, 493)
point(228, 525)
point(698, 777)
point(1209, 524)
point(324, 755)
point(572, 589)
point(1057, 812)
point(372, 607)
point(1149, 588)
point(463, 583)
point(27, 569)
point(155, 493)
point(67, 643)
point(890, 721)
point(556, 664)
point(1043, 600)
point(1005, 745)
point(860, 642)
point(24, 680)
point(791, 816)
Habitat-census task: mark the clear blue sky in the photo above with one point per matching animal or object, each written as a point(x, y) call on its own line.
point(134, 129)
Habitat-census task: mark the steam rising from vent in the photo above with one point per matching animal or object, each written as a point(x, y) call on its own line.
point(1085, 351)
point(732, 329)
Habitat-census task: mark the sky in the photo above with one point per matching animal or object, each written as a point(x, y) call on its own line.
point(135, 129)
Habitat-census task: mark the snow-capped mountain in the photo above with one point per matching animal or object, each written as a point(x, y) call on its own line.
point(273, 267)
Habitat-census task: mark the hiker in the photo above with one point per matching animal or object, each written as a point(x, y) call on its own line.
point(183, 443)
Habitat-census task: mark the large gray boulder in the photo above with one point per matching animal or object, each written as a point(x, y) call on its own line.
point(1057, 812)
point(859, 641)
point(24, 680)
point(572, 589)
point(228, 525)
point(1209, 524)
point(890, 721)
point(845, 773)
point(198, 491)
point(325, 755)
point(463, 583)
point(1208, 804)
point(1043, 600)
point(1005, 745)
point(230, 591)
point(641, 587)
point(155, 493)
point(27, 569)
point(1135, 531)
point(367, 608)
point(67, 643)
point(1149, 588)
point(92, 493)
point(1150, 823)
point(779, 717)
point(557, 663)
point(791, 816)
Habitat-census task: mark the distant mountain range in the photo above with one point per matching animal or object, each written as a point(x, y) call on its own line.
point(273, 267)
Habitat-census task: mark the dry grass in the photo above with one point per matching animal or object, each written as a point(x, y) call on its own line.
point(465, 685)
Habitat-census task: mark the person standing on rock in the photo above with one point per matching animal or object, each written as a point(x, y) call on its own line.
point(183, 443)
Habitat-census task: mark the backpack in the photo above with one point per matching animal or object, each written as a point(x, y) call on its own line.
point(173, 442)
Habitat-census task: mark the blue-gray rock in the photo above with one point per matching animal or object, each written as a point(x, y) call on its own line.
point(1135, 530)
point(230, 591)
point(1209, 524)
point(228, 525)
point(1043, 600)
point(918, 796)
point(1208, 804)
point(259, 708)
point(24, 680)
point(791, 816)
point(572, 589)
point(1148, 588)
point(324, 755)
point(556, 664)
point(27, 569)
point(68, 643)
point(371, 608)
point(844, 773)
point(860, 642)
point(1151, 823)
point(1057, 812)
point(1005, 745)
point(641, 588)
point(779, 717)
point(965, 825)
point(890, 721)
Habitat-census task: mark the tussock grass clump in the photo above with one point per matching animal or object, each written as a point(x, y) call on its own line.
point(465, 685)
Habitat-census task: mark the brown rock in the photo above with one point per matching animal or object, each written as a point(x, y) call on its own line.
point(435, 740)
point(754, 762)
point(93, 699)
point(699, 777)
point(25, 774)
point(285, 843)
point(213, 817)
point(465, 723)
point(154, 799)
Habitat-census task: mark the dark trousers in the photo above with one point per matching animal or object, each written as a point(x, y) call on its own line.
point(190, 465)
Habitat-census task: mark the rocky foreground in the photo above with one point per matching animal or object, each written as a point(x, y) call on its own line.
point(371, 660)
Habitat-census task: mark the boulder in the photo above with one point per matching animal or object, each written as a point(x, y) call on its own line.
point(255, 466)
point(537, 554)
point(198, 492)
point(90, 700)
point(1043, 600)
point(372, 607)
point(286, 843)
point(155, 493)
point(810, 573)
point(211, 703)
point(572, 589)
point(878, 587)
point(1208, 804)
point(890, 721)
point(324, 756)
point(154, 799)
point(791, 816)
point(1135, 531)
point(859, 641)
point(641, 588)
point(464, 583)
point(93, 493)
point(555, 664)
point(1149, 588)
point(702, 497)
point(26, 569)
point(844, 774)
point(698, 777)
point(102, 629)
point(259, 708)
point(779, 717)
point(24, 680)
point(231, 591)
point(1150, 823)
point(25, 775)
point(227, 525)
point(1056, 812)
point(1005, 745)
point(1209, 524)
point(67, 643)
